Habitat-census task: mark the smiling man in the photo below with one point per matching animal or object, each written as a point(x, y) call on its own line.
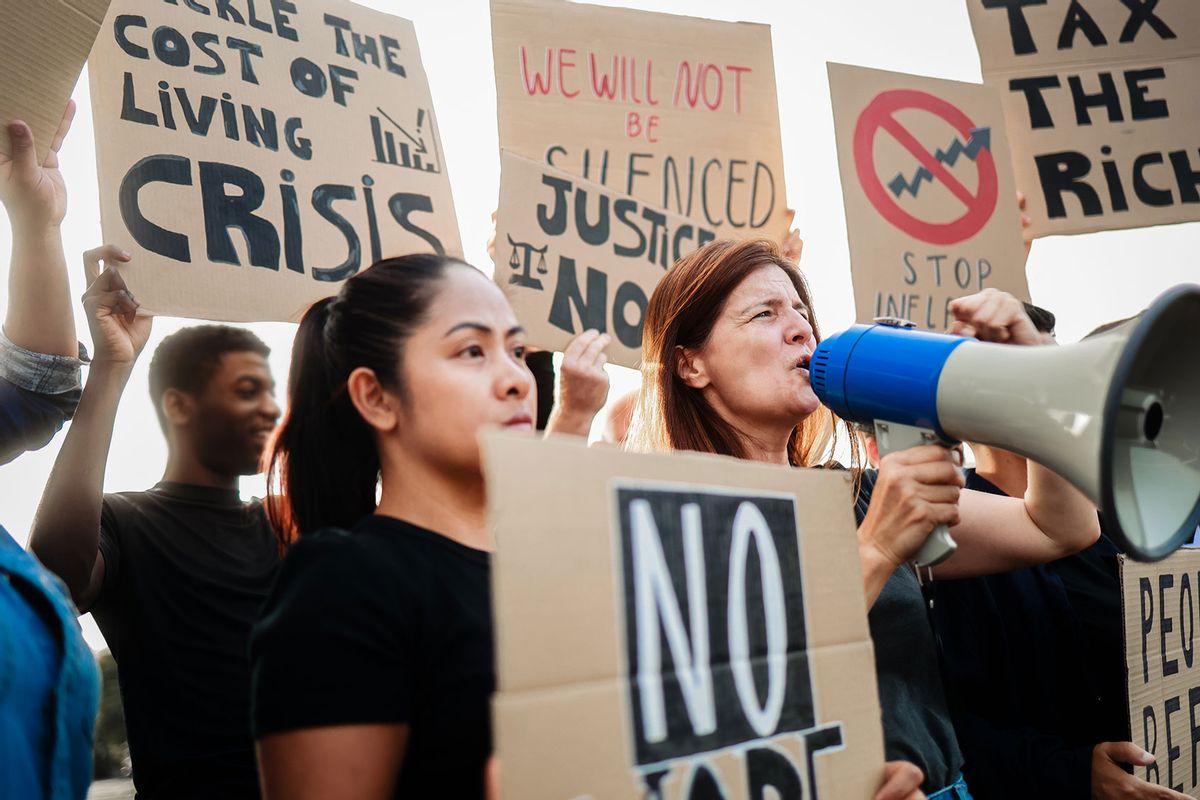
point(175, 574)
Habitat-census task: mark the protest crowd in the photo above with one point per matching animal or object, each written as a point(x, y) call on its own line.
point(342, 637)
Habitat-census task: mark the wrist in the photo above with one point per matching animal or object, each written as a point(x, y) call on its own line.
point(105, 366)
point(874, 557)
point(35, 232)
point(566, 420)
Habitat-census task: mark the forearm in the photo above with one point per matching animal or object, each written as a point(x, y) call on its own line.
point(876, 567)
point(40, 314)
point(1065, 516)
point(66, 531)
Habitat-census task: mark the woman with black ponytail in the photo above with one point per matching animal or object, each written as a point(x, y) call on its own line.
point(373, 662)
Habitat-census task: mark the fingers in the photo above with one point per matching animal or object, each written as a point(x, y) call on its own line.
point(593, 354)
point(901, 781)
point(993, 316)
point(926, 453)
point(24, 154)
point(117, 302)
point(64, 127)
point(580, 343)
point(1126, 753)
point(107, 253)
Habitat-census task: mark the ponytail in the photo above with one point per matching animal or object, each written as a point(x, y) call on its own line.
point(324, 465)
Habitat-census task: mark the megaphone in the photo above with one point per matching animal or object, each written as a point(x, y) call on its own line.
point(1117, 415)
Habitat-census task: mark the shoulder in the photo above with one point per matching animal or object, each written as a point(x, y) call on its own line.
point(335, 568)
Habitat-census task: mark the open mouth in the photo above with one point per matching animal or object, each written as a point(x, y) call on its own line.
point(802, 364)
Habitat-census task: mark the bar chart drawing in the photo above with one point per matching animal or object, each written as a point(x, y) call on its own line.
point(395, 146)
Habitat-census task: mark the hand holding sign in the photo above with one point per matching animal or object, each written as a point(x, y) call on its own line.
point(993, 316)
point(1110, 781)
point(582, 384)
point(35, 196)
point(118, 334)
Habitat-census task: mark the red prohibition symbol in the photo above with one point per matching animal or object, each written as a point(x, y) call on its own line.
point(880, 115)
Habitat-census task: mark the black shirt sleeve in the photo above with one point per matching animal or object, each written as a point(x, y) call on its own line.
point(334, 643)
point(110, 549)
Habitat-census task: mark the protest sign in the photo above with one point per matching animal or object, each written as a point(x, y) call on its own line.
point(1159, 601)
point(931, 209)
point(42, 50)
point(573, 255)
point(679, 112)
point(677, 625)
point(1101, 103)
point(254, 155)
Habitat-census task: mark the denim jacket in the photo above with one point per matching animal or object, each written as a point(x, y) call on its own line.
point(78, 684)
point(38, 393)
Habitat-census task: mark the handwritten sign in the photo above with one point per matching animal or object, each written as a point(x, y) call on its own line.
point(678, 112)
point(931, 209)
point(573, 255)
point(697, 630)
point(1101, 103)
point(1160, 661)
point(252, 156)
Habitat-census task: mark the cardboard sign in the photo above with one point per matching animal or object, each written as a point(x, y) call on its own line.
point(677, 626)
point(42, 50)
point(1101, 103)
point(679, 112)
point(931, 209)
point(573, 255)
point(1163, 672)
point(254, 155)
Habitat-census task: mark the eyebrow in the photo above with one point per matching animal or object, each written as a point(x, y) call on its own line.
point(773, 302)
point(481, 328)
point(256, 380)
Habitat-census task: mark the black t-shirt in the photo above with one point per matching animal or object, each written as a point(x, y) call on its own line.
point(389, 623)
point(186, 571)
point(916, 719)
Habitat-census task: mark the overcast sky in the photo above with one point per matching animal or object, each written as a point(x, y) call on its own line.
point(1085, 280)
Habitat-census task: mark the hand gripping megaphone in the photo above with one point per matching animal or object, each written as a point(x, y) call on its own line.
point(1117, 415)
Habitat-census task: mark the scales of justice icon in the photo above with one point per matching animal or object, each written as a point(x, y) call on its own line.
point(522, 260)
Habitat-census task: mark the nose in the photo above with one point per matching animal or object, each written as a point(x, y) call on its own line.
point(271, 408)
point(799, 329)
point(514, 379)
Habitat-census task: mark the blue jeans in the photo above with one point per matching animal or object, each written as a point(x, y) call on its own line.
point(955, 791)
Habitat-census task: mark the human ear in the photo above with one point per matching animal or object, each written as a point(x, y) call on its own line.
point(177, 406)
point(375, 405)
point(689, 368)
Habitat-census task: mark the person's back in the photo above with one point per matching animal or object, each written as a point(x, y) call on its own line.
point(176, 574)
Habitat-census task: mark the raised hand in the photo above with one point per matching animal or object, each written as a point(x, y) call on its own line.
point(118, 333)
point(582, 384)
point(35, 195)
point(993, 316)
